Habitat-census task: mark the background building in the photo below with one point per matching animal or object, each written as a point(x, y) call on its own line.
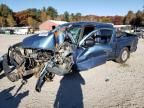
point(49, 24)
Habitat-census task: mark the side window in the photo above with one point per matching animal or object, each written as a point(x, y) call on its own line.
point(106, 32)
point(104, 37)
point(89, 40)
point(88, 29)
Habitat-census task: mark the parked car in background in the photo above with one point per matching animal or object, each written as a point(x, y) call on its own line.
point(41, 31)
point(139, 32)
point(2, 31)
point(124, 28)
point(6, 31)
point(23, 31)
point(9, 31)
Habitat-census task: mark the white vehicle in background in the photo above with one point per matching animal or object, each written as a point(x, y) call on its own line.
point(41, 31)
point(22, 31)
point(124, 28)
point(139, 32)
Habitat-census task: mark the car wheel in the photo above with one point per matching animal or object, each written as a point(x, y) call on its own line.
point(123, 56)
point(1, 68)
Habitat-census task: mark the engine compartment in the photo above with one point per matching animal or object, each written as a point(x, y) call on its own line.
point(31, 61)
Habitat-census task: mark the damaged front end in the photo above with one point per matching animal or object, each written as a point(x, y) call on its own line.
point(40, 56)
point(19, 63)
point(61, 64)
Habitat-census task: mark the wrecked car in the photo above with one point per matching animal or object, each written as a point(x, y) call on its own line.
point(71, 47)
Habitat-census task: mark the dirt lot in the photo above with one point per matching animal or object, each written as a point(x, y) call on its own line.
point(108, 86)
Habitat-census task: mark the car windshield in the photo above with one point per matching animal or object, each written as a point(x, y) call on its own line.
point(74, 30)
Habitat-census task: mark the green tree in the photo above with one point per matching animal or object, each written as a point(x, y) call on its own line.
point(78, 16)
point(6, 15)
point(60, 17)
point(139, 19)
point(106, 20)
point(5, 10)
point(1, 21)
point(52, 12)
point(66, 16)
point(142, 19)
point(43, 9)
point(129, 18)
point(10, 20)
point(72, 17)
point(44, 16)
point(32, 22)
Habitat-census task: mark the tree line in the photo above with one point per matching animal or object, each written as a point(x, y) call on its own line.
point(33, 17)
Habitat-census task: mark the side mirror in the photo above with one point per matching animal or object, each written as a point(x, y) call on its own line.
point(89, 42)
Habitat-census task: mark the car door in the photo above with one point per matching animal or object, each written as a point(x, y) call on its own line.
point(90, 53)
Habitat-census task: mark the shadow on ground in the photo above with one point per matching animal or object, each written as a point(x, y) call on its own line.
point(70, 94)
point(7, 100)
point(2, 75)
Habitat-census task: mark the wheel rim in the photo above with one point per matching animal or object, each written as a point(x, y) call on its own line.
point(124, 55)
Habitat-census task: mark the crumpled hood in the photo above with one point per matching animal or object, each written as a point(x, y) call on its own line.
point(39, 42)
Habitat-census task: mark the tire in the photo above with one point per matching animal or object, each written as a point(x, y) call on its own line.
point(123, 56)
point(1, 67)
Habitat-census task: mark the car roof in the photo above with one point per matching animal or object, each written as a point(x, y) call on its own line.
point(96, 24)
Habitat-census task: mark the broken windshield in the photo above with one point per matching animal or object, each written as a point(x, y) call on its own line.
point(73, 30)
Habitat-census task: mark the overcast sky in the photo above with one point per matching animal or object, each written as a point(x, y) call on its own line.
point(86, 7)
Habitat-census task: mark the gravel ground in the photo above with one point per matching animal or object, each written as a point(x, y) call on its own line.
point(107, 86)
